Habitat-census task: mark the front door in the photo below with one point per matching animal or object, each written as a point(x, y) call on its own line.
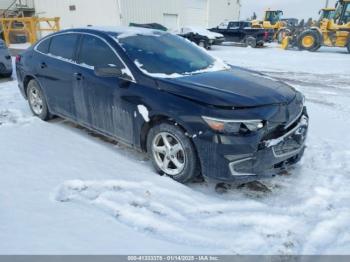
point(99, 100)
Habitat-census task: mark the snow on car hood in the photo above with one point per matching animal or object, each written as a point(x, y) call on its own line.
point(231, 88)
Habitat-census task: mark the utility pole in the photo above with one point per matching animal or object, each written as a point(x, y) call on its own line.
point(327, 3)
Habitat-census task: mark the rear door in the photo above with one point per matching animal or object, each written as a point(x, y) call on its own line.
point(99, 100)
point(54, 71)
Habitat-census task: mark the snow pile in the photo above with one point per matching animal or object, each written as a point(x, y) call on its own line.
point(306, 213)
point(201, 31)
point(23, 46)
point(10, 115)
point(274, 59)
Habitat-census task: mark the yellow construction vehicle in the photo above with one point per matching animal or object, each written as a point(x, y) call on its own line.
point(331, 32)
point(273, 21)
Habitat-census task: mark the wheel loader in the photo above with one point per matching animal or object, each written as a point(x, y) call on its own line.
point(333, 32)
point(273, 21)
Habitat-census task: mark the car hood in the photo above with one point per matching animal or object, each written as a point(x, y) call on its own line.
point(236, 87)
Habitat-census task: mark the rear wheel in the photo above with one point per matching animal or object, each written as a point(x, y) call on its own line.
point(348, 46)
point(309, 40)
point(251, 41)
point(37, 101)
point(202, 44)
point(172, 153)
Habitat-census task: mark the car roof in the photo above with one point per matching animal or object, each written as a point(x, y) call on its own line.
point(118, 31)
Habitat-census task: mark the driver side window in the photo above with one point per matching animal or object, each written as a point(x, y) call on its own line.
point(95, 52)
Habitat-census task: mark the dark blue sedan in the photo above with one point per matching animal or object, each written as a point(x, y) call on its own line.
point(192, 113)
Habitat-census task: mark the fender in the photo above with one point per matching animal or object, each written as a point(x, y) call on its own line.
point(316, 29)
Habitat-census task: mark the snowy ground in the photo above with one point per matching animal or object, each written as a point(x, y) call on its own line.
point(64, 190)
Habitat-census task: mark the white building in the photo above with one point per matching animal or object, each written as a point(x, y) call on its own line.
point(171, 13)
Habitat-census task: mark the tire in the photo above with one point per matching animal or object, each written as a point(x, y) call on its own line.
point(202, 44)
point(7, 75)
point(251, 41)
point(281, 34)
point(176, 158)
point(309, 40)
point(348, 46)
point(260, 44)
point(37, 101)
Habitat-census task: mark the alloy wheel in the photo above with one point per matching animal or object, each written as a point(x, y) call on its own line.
point(35, 100)
point(169, 154)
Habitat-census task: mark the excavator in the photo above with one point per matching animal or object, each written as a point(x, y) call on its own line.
point(332, 32)
point(273, 21)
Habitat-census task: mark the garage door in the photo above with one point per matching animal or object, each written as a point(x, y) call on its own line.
point(171, 21)
point(196, 12)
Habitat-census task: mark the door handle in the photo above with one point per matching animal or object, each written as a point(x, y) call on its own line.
point(78, 76)
point(43, 65)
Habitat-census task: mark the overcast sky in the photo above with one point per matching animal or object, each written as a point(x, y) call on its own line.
point(302, 9)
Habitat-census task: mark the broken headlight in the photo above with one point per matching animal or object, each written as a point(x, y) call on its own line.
point(234, 126)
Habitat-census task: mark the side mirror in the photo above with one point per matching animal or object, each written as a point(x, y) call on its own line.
point(109, 71)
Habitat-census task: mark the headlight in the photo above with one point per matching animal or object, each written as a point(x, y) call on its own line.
point(234, 126)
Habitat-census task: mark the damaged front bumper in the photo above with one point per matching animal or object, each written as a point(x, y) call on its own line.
point(272, 157)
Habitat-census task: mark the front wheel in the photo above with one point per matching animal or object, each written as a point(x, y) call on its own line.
point(172, 153)
point(204, 44)
point(37, 101)
point(309, 40)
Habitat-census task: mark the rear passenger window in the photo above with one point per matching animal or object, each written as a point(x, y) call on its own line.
point(94, 52)
point(64, 46)
point(44, 46)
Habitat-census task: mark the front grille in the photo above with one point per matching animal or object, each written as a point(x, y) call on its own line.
point(286, 147)
point(286, 119)
point(292, 141)
point(282, 129)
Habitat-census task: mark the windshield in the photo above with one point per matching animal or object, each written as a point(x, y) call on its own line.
point(167, 55)
point(274, 16)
